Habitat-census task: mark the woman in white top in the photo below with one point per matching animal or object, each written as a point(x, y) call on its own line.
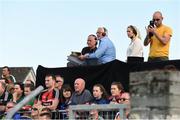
point(135, 49)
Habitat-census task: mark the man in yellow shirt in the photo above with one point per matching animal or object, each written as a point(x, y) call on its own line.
point(159, 37)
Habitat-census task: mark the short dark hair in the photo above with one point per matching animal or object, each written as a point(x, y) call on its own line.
point(94, 37)
point(46, 109)
point(47, 114)
point(51, 75)
point(31, 86)
point(119, 86)
point(7, 68)
point(65, 87)
point(20, 85)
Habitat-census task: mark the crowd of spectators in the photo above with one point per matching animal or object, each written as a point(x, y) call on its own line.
point(56, 96)
point(59, 96)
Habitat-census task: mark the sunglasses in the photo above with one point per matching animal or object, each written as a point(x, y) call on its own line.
point(35, 109)
point(121, 99)
point(156, 19)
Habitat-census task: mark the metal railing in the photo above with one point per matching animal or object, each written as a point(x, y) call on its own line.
point(106, 111)
point(73, 109)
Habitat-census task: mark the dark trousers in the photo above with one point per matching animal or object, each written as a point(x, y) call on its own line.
point(135, 59)
point(157, 59)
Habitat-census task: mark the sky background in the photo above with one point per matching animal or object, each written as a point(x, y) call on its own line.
point(44, 32)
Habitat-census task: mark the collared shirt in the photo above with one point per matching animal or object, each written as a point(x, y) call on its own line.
point(106, 51)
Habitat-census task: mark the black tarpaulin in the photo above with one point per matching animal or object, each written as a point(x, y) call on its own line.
point(104, 74)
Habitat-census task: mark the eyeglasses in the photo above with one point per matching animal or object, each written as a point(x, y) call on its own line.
point(35, 109)
point(121, 99)
point(156, 19)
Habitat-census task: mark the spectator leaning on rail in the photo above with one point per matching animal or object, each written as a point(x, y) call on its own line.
point(106, 51)
point(158, 35)
point(78, 59)
point(91, 48)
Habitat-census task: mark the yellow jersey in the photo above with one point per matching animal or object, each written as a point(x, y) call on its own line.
point(158, 49)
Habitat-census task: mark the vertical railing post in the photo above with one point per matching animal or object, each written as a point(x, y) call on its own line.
point(71, 113)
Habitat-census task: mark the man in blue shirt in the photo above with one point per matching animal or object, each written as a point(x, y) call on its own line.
point(106, 51)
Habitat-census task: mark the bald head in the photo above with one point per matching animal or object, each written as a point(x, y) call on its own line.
point(157, 18)
point(79, 85)
point(157, 13)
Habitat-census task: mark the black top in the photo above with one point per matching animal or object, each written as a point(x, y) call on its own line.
point(88, 50)
point(5, 97)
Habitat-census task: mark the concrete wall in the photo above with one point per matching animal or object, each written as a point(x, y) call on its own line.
point(155, 94)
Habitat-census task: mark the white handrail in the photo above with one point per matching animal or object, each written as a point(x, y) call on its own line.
point(23, 102)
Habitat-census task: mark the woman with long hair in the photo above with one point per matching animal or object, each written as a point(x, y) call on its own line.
point(100, 95)
point(135, 48)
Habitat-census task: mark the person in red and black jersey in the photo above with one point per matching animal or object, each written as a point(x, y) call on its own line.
point(50, 97)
